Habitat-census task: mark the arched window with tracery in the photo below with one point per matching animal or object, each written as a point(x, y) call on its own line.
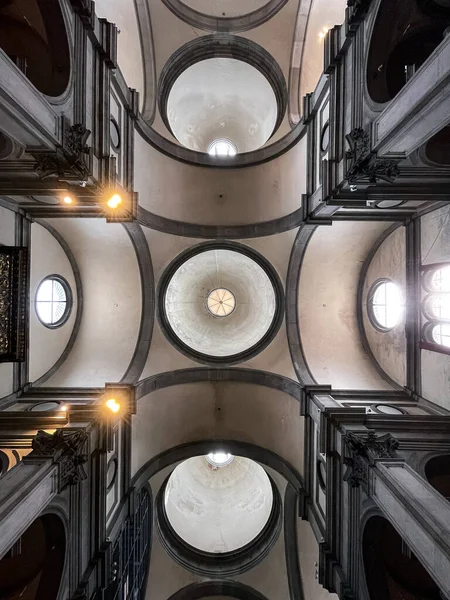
point(436, 307)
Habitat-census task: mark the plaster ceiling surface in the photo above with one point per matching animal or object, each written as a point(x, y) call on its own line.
point(163, 356)
point(218, 510)
point(244, 412)
point(110, 322)
point(211, 196)
point(187, 293)
point(327, 304)
point(222, 98)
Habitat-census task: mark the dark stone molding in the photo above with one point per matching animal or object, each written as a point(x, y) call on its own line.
point(299, 361)
point(198, 448)
point(225, 564)
point(79, 296)
point(206, 374)
point(194, 230)
point(291, 544)
point(359, 305)
point(201, 159)
point(234, 589)
point(233, 359)
point(222, 45)
point(148, 58)
point(225, 24)
point(301, 25)
point(144, 340)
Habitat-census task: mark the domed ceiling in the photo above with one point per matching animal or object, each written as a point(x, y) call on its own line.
point(218, 509)
point(222, 98)
point(220, 303)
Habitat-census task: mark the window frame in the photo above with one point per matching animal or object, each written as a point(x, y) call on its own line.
point(370, 307)
point(429, 320)
point(69, 301)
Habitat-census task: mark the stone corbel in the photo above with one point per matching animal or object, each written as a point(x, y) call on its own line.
point(364, 452)
point(363, 165)
point(70, 162)
point(65, 448)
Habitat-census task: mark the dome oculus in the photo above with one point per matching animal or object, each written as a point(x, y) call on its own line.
point(219, 459)
point(221, 302)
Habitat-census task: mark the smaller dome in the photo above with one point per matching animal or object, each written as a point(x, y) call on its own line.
point(222, 509)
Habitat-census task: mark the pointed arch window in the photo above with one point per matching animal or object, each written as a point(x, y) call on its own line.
point(436, 308)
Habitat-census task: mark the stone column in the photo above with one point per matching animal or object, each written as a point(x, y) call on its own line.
point(55, 463)
point(419, 513)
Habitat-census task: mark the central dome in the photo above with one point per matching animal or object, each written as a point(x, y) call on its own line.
point(220, 303)
point(222, 98)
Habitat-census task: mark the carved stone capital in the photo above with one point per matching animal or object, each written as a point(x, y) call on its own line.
point(365, 450)
point(363, 165)
point(70, 161)
point(66, 449)
point(13, 303)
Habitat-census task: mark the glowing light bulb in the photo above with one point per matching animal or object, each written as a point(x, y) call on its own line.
point(63, 408)
point(324, 32)
point(113, 405)
point(67, 200)
point(114, 201)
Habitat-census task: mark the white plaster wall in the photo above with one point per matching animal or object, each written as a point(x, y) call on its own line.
point(309, 556)
point(7, 235)
point(219, 196)
point(389, 348)
point(198, 411)
point(112, 302)
point(47, 258)
point(323, 13)
point(327, 305)
point(232, 8)
point(129, 55)
point(435, 247)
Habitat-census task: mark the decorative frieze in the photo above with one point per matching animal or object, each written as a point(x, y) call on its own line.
point(363, 165)
point(13, 303)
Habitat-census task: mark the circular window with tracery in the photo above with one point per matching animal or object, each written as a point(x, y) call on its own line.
point(53, 301)
point(385, 305)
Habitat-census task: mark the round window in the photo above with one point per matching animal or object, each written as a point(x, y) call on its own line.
point(53, 301)
point(441, 334)
point(385, 305)
point(325, 138)
point(114, 134)
point(388, 409)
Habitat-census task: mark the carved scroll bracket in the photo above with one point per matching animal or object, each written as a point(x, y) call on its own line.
point(363, 165)
point(66, 449)
point(69, 162)
point(364, 452)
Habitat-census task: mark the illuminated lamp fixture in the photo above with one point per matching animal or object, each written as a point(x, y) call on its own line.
point(114, 201)
point(324, 32)
point(113, 405)
point(63, 408)
point(67, 200)
point(120, 397)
